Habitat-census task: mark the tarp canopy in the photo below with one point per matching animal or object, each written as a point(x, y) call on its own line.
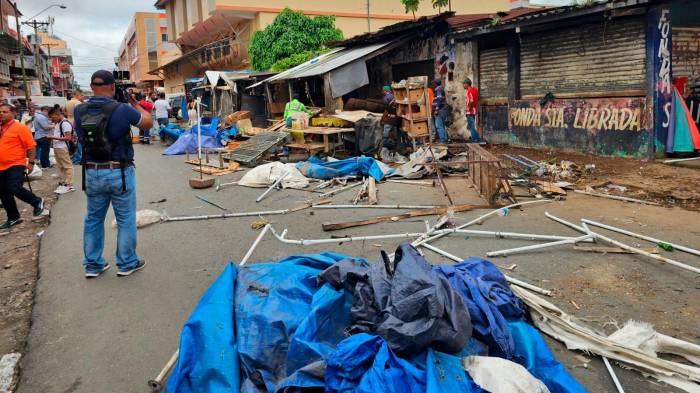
point(366, 166)
point(276, 327)
point(187, 142)
point(326, 62)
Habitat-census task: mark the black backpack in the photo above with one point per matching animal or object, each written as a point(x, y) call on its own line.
point(94, 119)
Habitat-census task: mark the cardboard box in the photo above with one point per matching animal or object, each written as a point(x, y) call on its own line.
point(419, 128)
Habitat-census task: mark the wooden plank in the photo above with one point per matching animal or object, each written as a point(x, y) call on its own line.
point(308, 205)
point(403, 216)
point(551, 188)
point(372, 190)
point(613, 250)
point(213, 171)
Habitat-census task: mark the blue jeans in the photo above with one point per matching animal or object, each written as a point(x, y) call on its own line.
point(43, 148)
point(440, 127)
point(103, 186)
point(78, 155)
point(471, 126)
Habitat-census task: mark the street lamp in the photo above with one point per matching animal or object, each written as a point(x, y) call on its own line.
point(35, 24)
point(61, 6)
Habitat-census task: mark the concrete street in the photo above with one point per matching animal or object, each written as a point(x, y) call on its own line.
point(114, 334)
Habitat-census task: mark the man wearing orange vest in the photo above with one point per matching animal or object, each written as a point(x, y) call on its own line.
point(16, 145)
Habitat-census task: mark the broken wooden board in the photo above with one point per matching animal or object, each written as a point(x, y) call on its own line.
point(308, 205)
point(215, 171)
point(397, 217)
point(372, 190)
point(550, 188)
point(613, 250)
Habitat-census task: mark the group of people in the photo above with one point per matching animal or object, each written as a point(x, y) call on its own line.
point(103, 127)
point(158, 106)
point(441, 110)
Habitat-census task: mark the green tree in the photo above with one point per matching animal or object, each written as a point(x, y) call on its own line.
point(291, 33)
point(440, 4)
point(411, 6)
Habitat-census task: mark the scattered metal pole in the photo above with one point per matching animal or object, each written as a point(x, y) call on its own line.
point(222, 185)
point(156, 384)
point(210, 202)
point(613, 376)
point(309, 242)
point(618, 198)
point(564, 222)
point(410, 182)
point(508, 235)
point(605, 239)
point(376, 207)
point(537, 246)
point(511, 280)
point(643, 237)
point(255, 244)
point(681, 160)
point(278, 181)
point(225, 215)
point(341, 189)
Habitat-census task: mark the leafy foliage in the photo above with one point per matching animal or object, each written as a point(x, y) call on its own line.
point(411, 6)
point(439, 4)
point(291, 33)
point(296, 59)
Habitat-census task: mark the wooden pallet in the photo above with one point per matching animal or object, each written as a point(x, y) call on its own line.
point(215, 171)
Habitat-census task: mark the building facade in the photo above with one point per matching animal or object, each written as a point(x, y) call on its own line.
point(145, 42)
point(60, 60)
point(214, 34)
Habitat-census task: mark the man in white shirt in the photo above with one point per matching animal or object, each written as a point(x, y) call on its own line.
point(62, 135)
point(162, 110)
point(28, 118)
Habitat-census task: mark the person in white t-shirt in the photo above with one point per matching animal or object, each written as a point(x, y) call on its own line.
point(162, 110)
point(62, 135)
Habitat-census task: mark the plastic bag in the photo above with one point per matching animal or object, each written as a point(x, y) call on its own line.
point(36, 173)
point(144, 218)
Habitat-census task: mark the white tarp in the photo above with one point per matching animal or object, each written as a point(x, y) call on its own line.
point(265, 175)
point(349, 78)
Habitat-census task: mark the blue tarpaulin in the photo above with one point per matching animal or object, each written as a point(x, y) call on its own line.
point(187, 142)
point(366, 166)
point(275, 327)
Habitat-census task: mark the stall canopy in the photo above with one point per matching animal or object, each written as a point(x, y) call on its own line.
point(347, 68)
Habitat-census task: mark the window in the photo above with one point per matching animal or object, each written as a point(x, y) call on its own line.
point(151, 43)
point(164, 37)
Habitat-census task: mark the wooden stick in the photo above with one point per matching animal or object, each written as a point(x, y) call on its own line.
point(613, 250)
point(372, 191)
point(396, 217)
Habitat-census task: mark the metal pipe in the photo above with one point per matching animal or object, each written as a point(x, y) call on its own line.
point(518, 250)
point(156, 384)
point(210, 202)
point(507, 235)
point(376, 207)
point(225, 215)
point(617, 198)
point(564, 222)
point(681, 160)
point(255, 244)
point(643, 237)
point(613, 376)
point(222, 185)
point(310, 242)
point(606, 239)
point(339, 190)
point(278, 181)
point(511, 280)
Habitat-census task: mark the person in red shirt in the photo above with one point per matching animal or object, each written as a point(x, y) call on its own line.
point(144, 135)
point(472, 95)
point(16, 145)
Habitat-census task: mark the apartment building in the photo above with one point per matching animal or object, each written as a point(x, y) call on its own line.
point(213, 34)
point(60, 61)
point(145, 42)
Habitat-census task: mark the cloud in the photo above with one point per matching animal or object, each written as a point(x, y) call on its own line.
point(93, 29)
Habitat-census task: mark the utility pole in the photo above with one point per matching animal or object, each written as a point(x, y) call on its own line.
point(369, 19)
point(37, 49)
point(21, 54)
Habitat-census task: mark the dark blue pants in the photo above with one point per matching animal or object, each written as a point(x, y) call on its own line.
point(43, 148)
point(11, 186)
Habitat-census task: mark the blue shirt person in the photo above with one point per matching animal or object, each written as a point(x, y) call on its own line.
point(111, 182)
point(42, 129)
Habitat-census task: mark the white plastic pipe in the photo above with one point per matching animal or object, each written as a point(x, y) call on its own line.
point(418, 207)
point(616, 381)
point(643, 237)
point(519, 250)
point(226, 215)
point(507, 235)
point(511, 280)
point(681, 160)
point(564, 222)
point(606, 239)
point(255, 244)
point(278, 181)
point(311, 242)
point(618, 198)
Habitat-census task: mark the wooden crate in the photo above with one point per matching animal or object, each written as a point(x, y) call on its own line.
point(413, 110)
point(400, 94)
point(415, 94)
point(419, 129)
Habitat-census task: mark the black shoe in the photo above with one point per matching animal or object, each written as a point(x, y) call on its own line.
point(10, 223)
point(139, 266)
point(96, 274)
point(39, 208)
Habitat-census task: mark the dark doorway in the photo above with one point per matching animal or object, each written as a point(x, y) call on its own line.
point(416, 68)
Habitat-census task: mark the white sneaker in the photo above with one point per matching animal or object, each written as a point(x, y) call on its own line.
point(60, 190)
point(69, 189)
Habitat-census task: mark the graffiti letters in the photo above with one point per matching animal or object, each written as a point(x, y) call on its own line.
point(600, 117)
point(665, 56)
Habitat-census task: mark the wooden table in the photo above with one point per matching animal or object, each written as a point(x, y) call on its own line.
point(325, 131)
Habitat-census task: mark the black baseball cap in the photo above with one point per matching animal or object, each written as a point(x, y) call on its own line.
point(102, 78)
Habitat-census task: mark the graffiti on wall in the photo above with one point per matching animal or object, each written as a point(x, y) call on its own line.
point(623, 114)
point(605, 126)
point(661, 44)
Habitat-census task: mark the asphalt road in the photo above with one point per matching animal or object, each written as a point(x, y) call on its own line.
point(114, 334)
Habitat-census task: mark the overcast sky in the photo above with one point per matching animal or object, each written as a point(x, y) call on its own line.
point(94, 28)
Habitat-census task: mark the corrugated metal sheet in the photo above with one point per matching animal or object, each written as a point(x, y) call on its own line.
point(493, 73)
point(590, 58)
point(325, 63)
point(686, 55)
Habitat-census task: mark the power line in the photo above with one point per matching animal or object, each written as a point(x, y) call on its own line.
point(88, 42)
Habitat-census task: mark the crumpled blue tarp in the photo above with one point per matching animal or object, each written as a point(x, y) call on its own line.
point(274, 327)
point(489, 299)
point(366, 166)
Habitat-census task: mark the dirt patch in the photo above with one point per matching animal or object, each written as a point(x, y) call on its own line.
point(646, 180)
point(19, 251)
